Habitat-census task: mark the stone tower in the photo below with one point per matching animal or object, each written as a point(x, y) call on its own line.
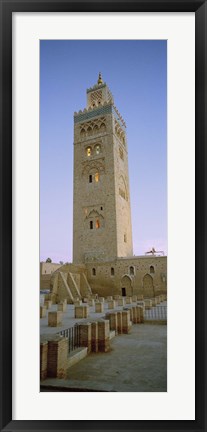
point(101, 204)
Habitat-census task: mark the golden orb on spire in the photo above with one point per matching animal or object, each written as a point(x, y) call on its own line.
point(100, 81)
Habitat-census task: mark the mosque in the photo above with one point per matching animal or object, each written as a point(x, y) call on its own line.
point(103, 260)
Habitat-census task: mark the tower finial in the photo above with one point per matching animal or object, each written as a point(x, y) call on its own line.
point(100, 81)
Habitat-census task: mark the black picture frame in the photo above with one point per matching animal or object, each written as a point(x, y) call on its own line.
point(7, 8)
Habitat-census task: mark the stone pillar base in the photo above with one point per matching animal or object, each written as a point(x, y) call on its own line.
point(43, 360)
point(142, 304)
point(42, 311)
point(91, 302)
point(111, 304)
point(94, 337)
point(121, 302)
point(119, 322)
point(117, 297)
point(148, 304)
point(62, 307)
point(112, 317)
point(126, 323)
point(99, 307)
point(101, 299)
point(54, 319)
point(57, 357)
point(128, 300)
point(103, 336)
point(77, 303)
point(140, 314)
point(82, 311)
point(85, 335)
point(48, 304)
point(134, 315)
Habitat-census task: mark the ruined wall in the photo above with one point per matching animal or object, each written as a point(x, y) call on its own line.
point(48, 268)
point(145, 275)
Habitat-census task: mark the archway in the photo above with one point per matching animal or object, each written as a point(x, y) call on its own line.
point(148, 286)
point(126, 286)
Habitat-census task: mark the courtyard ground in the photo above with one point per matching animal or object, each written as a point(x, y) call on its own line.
point(68, 319)
point(137, 362)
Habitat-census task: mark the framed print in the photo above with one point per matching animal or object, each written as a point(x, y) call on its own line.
point(94, 192)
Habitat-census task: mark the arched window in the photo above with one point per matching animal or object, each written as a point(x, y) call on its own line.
point(152, 269)
point(112, 271)
point(89, 129)
point(93, 271)
point(88, 151)
point(131, 271)
point(97, 223)
point(97, 149)
point(91, 224)
point(97, 177)
point(103, 126)
point(90, 178)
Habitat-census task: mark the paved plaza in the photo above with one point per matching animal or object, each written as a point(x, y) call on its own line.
point(137, 362)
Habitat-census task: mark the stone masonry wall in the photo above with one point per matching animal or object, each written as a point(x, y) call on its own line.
point(104, 283)
point(101, 208)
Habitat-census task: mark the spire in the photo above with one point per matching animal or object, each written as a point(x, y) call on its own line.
point(100, 81)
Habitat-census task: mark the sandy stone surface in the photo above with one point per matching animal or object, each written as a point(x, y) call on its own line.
point(137, 362)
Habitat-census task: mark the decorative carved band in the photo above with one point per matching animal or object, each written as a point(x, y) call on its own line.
point(96, 165)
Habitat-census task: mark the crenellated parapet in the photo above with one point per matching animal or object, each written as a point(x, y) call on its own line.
point(99, 109)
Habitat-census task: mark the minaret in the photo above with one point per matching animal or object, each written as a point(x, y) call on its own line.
point(101, 205)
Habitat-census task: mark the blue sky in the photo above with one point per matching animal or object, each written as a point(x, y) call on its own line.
point(136, 73)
